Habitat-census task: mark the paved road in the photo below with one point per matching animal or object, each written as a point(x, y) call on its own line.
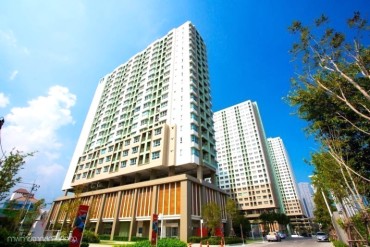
point(291, 242)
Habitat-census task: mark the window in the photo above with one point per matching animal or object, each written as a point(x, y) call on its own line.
point(165, 96)
point(133, 161)
point(101, 160)
point(194, 139)
point(105, 169)
point(156, 143)
point(98, 171)
point(195, 152)
point(194, 127)
point(103, 151)
point(136, 139)
point(127, 142)
point(155, 155)
point(193, 116)
point(134, 150)
point(158, 131)
point(123, 163)
point(84, 175)
point(107, 159)
point(124, 153)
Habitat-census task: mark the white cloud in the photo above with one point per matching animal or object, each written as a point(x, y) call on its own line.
point(13, 75)
point(4, 101)
point(35, 127)
point(9, 39)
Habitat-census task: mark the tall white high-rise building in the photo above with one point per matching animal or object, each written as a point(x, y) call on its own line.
point(284, 177)
point(147, 144)
point(244, 163)
point(306, 195)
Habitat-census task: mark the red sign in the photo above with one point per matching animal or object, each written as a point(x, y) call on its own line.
point(154, 229)
point(79, 226)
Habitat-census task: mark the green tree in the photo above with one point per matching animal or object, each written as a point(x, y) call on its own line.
point(232, 213)
point(28, 215)
point(322, 216)
point(9, 169)
point(70, 208)
point(331, 92)
point(282, 219)
point(267, 219)
point(241, 225)
point(211, 214)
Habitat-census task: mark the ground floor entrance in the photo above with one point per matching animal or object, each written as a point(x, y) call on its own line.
point(127, 211)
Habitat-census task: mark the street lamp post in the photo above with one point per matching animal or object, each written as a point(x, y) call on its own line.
point(27, 203)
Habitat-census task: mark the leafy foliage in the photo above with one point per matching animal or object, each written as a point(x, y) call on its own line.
point(164, 242)
point(211, 214)
point(232, 212)
point(331, 92)
point(9, 169)
point(90, 237)
point(241, 223)
point(268, 219)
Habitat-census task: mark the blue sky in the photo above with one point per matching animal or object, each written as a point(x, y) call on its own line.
point(53, 53)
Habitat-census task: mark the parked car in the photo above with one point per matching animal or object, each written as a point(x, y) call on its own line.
point(282, 235)
point(273, 236)
point(322, 236)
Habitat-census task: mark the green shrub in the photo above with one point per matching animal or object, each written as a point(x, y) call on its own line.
point(212, 240)
point(165, 242)
point(135, 239)
point(338, 243)
point(194, 239)
point(171, 242)
point(104, 237)
point(55, 244)
point(143, 243)
point(90, 237)
point(120, 238)
point(11, 239)
point(233, 240)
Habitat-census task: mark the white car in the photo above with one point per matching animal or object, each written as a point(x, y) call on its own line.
point(273, 236)
point(322, 236)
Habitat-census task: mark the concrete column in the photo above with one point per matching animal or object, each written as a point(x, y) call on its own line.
point(137, 178)
point(122, 181)
point(213, 178)
point(185, 214)
point(200, 172)
point(171, 171)
point(115, 216)
point(154, 209)
point(110, 183)
point(133, 223)
point(99, 222)
point(153, 174)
